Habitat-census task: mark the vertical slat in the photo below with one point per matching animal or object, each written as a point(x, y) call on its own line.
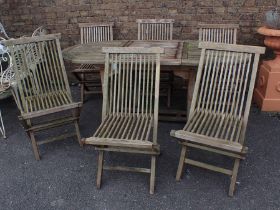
point(156, 102)
point(139, 85)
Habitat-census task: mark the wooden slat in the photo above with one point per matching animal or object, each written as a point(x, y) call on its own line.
point(208, 166)
point(128, 169)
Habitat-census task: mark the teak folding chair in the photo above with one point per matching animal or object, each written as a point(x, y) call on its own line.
point(218, 33)
point(159, 29)
point(220, 106)
point(130, 107)
point(42, 91)
point(88, 75)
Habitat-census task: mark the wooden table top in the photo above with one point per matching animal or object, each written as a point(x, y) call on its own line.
point(176, 52)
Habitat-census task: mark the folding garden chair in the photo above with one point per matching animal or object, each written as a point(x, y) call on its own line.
point(162, 29)
point(88, 75)
point(218, 33)
point(42, 92)
point(220, 106)
point(130, 107)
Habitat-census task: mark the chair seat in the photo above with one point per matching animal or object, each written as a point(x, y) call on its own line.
point(50, 110)
point(47, 100)
point(124, 131)
point(217, 130)
point(86, 68)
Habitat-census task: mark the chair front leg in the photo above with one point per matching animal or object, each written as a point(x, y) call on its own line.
point(181, 163)
point(34, 145)
point(153, 174)
point(100, 169)
point(234, 177)
point(78, 133)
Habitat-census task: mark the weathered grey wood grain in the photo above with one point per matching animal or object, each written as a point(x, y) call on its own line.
point(88, 74)
point(42, 86)
point(221, 104)
point(219, 33)
point(130, 106)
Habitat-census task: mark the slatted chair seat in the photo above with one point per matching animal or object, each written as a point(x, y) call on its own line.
point(42, 88)
point(130, 107)
point(131, 131)
point(84, 68)
point(224, 131)
point(88, 75)
point(46, 101)
point(220, 106)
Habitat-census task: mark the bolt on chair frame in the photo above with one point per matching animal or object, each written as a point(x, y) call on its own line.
point(130, 107)
point(220, 106)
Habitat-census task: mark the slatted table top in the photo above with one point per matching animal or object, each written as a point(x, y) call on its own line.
point(177, 52)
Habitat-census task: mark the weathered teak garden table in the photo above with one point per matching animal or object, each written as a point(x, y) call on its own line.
point(180, 56)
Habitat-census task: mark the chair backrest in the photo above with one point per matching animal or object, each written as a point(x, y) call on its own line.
point(3, 32)
point(219, 33)
point(131, 82)
point(96, 32)
point(40, 73)
point(153, 29)
point(225, 79)
point(40, 31)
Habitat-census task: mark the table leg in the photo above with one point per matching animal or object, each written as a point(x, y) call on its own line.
point(191, 83)
point(102, 77)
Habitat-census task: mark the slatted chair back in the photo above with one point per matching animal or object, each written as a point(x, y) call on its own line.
point(131, 83)
point(3, 33)
point(219, 33)
point(40, 73)
point(40, 31)
point(152, 29)
point(96, 32)
point(225, 81)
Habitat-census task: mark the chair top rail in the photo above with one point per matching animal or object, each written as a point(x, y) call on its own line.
point(155, 20)
point(26, 40)
point(133, 50)
point(229, 26)
point(81, 25)
point(232, 47)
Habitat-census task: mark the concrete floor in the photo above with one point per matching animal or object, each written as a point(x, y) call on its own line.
point(65, 177)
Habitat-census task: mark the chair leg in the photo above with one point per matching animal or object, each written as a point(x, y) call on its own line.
point(153, 173)
point(181, 163)
point(169, 92)
point(34, 145)
point(78, 133)
point(100, 168)
point(233, 177)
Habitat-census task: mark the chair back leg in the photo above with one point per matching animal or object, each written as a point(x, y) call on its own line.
point(181, 163)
